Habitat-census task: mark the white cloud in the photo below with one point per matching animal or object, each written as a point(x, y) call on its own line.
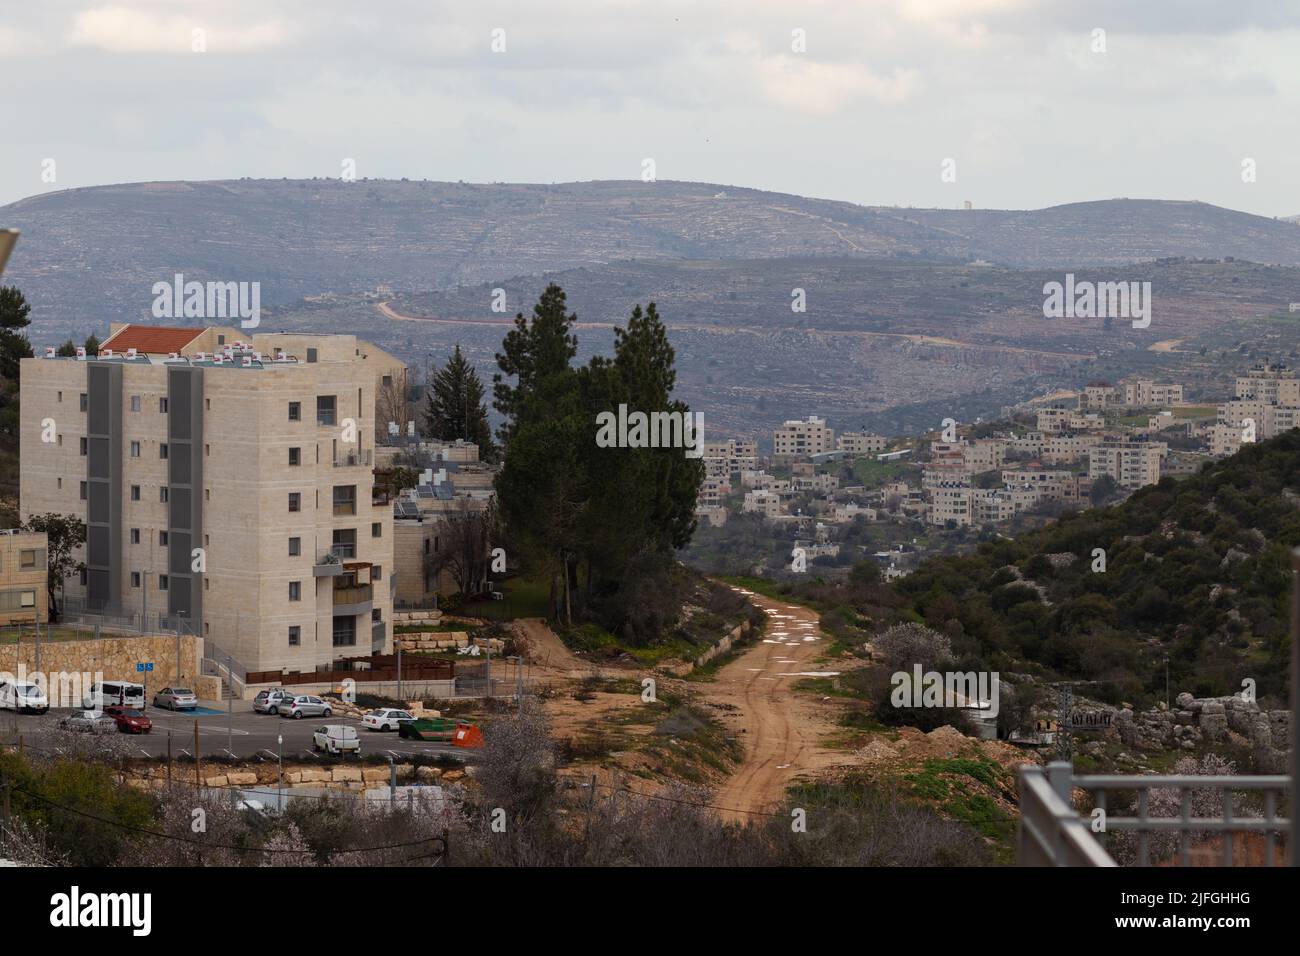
point(797, 83)
point(125, 30)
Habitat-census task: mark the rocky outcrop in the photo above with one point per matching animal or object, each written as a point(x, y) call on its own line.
point(1197, 722)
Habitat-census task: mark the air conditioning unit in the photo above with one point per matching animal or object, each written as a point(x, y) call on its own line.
point(248, 362)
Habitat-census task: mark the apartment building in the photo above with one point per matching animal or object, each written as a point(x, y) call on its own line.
point(1132, 464)
point(1064, 449)
point(1055, 421)
point(24, 596)
point(1270, 384)
point(1100, 396)
point(1144, 392)
point(860, 443)
point(231, 491)
point(1063, 486)
point(800, 439)
point(763, 502)
point(950, 504)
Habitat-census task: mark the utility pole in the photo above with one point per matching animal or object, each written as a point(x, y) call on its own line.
point(198, 782)
point(230, 707)
point(397, 643)
point(169, 758)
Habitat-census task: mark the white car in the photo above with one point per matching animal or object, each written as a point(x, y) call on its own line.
point(18, 697)
point(336, 739)
point(386, 719)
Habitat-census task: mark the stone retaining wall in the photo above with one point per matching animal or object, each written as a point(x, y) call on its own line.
point(114, 657)
point(1196, 722)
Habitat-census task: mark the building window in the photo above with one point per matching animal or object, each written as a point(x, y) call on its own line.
point(163, 539)
point(135, 535)
point(295, 547)
point(84, 443)
point(311, 355)
point(135, 492)
point(135, 449)
point(295, 635)
point(324, 409)
point(81, 576)
point(376, 529)
point(135, 403)
point(162, 494)
point(376, 573)
point(345, 499)
point(28, 599)
point(345, 631)
point(162, 582)
point(162, 450)
point(85, 403)
point(162, 406)
point(295, 501)
point(135, 579)
point(295, 590)
point(295, 457)
point(376, 616)
point(295, 411)
point(27, 559)
point(344, 544)
point(83, 491)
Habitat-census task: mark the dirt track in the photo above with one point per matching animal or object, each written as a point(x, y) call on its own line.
point(781, 727)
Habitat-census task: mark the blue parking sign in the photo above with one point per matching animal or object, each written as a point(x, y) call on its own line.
point(143, 666)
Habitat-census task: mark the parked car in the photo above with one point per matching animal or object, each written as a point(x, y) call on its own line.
point(129, 720)
point(336, 739)
point(90, 722)
point(270, 701)
point(386, 719)
point(304, 705)
point(121, 693)
point(176, 698)
point(19, 696)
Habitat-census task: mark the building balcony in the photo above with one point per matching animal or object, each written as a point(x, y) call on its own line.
point(356, 458)
point(352, 600)
point(329, 565)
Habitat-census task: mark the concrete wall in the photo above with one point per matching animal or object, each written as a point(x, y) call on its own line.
point(115, 657)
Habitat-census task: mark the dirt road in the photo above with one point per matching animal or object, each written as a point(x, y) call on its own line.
point(781, 727)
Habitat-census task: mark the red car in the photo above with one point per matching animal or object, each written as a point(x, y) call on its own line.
point(129, 720)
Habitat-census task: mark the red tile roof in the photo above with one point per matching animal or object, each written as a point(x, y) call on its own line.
point(152, 339)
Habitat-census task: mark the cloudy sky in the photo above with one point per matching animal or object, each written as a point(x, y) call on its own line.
point(861, 100)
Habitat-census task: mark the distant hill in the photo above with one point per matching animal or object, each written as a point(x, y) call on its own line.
point(92, 255)
point(1114, 230)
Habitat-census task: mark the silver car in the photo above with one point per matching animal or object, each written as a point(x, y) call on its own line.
point(270, 701)
point(89, 722)
point(305, 705)
point(176, 698)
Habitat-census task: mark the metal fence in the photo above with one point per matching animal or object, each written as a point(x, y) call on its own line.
point(1053, 833)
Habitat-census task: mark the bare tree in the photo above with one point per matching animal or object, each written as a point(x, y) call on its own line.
point(391, 405)
point(464, 553)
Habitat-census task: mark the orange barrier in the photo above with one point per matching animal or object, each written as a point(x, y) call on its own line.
point(467, 735)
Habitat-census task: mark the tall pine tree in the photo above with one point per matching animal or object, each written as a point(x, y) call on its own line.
point(454, 409)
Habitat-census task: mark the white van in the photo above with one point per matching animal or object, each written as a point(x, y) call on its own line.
point(22, 696)
point(112, 692)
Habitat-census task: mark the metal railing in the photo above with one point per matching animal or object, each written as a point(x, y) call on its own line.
point(1053, 833)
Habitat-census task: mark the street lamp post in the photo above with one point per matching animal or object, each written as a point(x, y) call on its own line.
point(279, 787)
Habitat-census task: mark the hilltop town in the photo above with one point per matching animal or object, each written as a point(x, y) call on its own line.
point(830, 499)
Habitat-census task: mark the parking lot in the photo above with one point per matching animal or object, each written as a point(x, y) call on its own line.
point(241, 734)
